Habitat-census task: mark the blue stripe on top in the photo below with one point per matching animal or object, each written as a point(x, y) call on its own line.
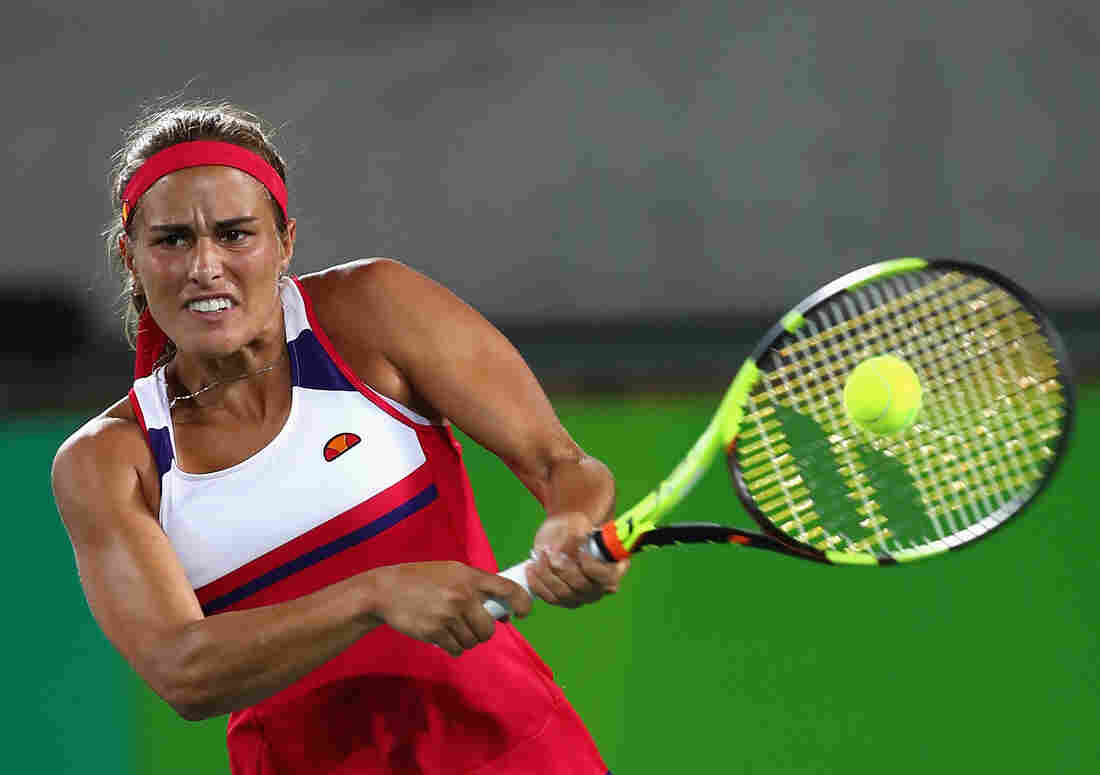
point(161, 444)
point(311, 366)
point(321, 553)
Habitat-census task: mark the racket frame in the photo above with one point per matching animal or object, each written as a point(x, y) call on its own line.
point(790, 322)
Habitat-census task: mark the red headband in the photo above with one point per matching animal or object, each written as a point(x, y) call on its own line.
point(200, 153)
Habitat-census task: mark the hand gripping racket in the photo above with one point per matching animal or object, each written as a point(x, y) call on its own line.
point(994, 422)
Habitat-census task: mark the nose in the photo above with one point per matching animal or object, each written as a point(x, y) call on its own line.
point(206, 264)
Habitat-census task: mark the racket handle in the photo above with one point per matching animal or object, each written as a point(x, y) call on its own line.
point(498, 609)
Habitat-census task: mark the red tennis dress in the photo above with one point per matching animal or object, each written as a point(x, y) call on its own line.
point(355, 481)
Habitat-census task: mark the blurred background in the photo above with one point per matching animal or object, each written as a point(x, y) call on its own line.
point(630, 191)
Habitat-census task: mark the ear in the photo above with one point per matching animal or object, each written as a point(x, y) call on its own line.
point(128, 261)
point(288, 244)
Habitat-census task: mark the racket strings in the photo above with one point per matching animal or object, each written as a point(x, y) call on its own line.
point(993, 406)
point(972, 502)
point(971, 399)
point(839, 343)
point(935, 338)
point(990, 477)
point(959, 373)
point(813, 384)
point(804, 516)
point(957, 504)
point(919, 302)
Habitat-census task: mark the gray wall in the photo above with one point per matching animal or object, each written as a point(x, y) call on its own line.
point(628, 159)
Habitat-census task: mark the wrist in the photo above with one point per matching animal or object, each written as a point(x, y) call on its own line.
point(369, 598)
point(564, 531)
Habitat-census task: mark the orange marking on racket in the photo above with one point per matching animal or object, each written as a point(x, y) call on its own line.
point(612, 542)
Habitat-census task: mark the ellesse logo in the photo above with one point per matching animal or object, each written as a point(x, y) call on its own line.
point(339, 444)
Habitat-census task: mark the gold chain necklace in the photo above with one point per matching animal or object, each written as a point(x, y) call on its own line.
point(219, 383)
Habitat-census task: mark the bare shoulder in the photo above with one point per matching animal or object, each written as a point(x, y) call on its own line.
point(112, 430)
point(385, 305)
point(362, 270)
point(401, 330)
point(371, 286)
point(108, 450)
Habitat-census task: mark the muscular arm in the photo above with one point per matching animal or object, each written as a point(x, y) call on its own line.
point(139, 594)
point(449, 357)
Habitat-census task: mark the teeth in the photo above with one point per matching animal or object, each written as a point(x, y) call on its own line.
point(210, 305)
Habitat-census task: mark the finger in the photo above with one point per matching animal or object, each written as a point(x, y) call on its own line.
point(548, 585)
point(566, 568)
point(536, 571)
point(538, 588)
point(508, 592)
point(463, 633)
point(480, 623)
point(602, 573)
point(446, 641)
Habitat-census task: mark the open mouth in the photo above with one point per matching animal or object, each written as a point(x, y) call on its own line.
point(216, 304)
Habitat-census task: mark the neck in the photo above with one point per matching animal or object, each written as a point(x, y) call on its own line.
point(218, 389)
point(203, 381)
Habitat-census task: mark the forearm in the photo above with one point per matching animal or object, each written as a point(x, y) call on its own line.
point(232, 660)
point(580, 485)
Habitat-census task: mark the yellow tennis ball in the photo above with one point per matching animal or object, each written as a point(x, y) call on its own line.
point(882, 394)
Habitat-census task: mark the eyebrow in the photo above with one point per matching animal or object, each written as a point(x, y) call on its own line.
point(220, 225)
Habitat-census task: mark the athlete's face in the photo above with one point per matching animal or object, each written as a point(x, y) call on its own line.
point(207, 254)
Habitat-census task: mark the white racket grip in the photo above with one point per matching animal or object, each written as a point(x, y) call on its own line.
point(498, 609)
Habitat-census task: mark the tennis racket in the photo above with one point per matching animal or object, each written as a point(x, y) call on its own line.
point(994, 422)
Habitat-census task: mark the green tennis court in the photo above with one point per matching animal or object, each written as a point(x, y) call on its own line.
point(709, 660)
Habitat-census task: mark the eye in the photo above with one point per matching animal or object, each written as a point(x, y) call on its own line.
point(234, 235)
point(172, 239)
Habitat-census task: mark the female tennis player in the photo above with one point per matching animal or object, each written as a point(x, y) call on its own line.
point(276, 521)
